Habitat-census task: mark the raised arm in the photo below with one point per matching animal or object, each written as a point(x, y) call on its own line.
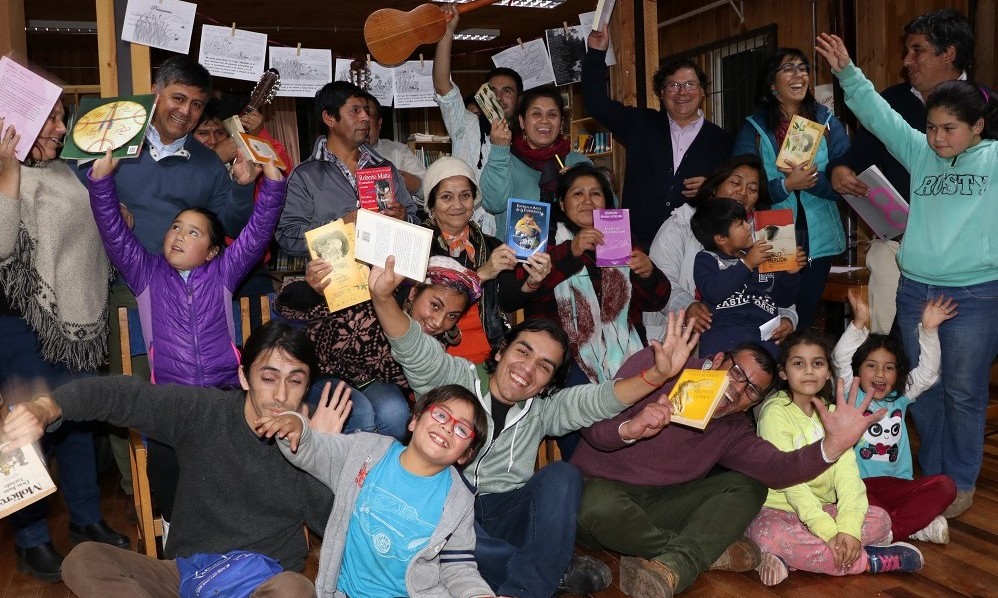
point(441, 57)
point(244, 253)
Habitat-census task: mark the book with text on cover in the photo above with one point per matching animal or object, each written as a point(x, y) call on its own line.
point(776, 227)
point(379, 236)
point(489, 103)
point(615, 224)
point(695, 396)
point(375, 187)
point(334, 242)
point(26, 99)
point(801, 144)
point(882, 208)
point(527, 225)
point(24, 479)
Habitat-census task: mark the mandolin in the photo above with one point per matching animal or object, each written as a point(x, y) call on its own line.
point(393, 35)
point(265, 90)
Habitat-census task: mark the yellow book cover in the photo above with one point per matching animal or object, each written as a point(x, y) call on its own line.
point(24, 477)
point(695, 396)
point(801, 143)
point(334, 242)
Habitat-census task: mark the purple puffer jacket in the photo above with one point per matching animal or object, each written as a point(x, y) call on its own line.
point(187, 325)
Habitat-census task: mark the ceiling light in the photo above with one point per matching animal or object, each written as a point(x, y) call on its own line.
point(477, 35)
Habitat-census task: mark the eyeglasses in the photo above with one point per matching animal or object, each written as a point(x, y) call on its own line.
point(737, 375)
point(442, 416)
point(674, 86)
point(791, 68)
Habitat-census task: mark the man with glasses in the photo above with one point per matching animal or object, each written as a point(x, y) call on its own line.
point(677, 501)
point(673, 149)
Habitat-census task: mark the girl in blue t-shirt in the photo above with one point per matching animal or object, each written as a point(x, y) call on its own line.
point(884, 454)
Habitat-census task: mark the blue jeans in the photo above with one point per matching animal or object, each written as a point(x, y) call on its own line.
point(380, 408)
point(525, 537)
point(72, 442)
point(812, 286)
point(950, 415)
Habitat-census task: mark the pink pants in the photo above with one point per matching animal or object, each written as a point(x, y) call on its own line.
point(783, 534)
point(912, 504)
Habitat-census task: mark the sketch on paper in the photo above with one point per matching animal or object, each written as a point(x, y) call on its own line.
point(342, 72)
point(567, 48)
point(167, 24)
point(382, 83)
point(414, 84)
point(239, 56)
point(302, 73)
point(531, 60)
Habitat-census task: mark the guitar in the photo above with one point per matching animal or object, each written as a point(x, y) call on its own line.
point(360, 74)
point(264, 92)
point(393, 35)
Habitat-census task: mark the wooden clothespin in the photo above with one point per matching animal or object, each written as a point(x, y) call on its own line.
point(520, 42)
point(421, 60)
point(298, 51)
point(564, 25)
point(233, 34)
point(368, 61)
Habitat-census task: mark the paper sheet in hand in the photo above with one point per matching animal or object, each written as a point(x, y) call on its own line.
point(379, 236)
point(766, 330)
point(883, 208)
point(26, 100)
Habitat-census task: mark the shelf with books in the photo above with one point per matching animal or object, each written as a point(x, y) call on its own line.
point(589, 137)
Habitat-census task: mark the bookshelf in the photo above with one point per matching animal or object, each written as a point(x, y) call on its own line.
point(587, 135)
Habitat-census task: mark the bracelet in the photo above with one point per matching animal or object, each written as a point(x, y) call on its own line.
point(646, 381)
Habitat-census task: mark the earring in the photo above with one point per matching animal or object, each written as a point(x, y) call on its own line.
point(772, 91)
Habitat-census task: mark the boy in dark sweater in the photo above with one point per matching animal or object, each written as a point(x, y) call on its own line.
point(727, 277)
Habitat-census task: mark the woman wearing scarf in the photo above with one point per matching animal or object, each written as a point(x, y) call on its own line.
point(599, 308)
point(451, 198)
point(53, 322)
point(526, 166)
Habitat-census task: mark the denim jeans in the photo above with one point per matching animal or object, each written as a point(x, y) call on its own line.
point(950, 415)
point(525, 537)
point(72, 442)
point(380, 408)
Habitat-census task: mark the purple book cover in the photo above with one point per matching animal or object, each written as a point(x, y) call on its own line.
point(616, 228)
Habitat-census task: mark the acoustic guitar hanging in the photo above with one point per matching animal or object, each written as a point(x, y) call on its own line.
point(393, 35)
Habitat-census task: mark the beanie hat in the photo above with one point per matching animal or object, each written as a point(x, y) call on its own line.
point(444, 168)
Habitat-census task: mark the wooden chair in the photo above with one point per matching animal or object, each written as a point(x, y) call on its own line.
point(149, 527)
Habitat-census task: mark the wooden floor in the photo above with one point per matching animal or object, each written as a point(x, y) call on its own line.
point(968, 566)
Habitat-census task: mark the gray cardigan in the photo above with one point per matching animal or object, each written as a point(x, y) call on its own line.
point(444, 568)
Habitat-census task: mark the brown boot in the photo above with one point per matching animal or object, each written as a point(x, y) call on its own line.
point(643, 578)
point(742, 555)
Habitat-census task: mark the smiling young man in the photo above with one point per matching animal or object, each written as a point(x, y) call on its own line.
point(324, 187)
point(236, 490)
point(650, 490)
point(525, 521)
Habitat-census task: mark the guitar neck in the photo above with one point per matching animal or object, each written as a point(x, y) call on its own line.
point(470, 6)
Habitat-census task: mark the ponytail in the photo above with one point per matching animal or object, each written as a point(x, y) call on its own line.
point(968, 102)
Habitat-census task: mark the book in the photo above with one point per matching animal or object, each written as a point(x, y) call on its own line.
point(527, 225)
point(801, 144)
point(257, 149)
point(882, 208)
point(24, 478)
point(615, 224)
point(604, 8)
point(379, 236)
point(117, 124)
point(375, 187)
point(26, 99)
point(334, 242)
point(695, 396)
point(489, 103)
point(776, 227)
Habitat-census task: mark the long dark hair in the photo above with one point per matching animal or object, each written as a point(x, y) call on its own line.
point(767, 99)
point(565, 182)
point(806, 337)
point(968, 102)
point(708, 190)
point(892, 346)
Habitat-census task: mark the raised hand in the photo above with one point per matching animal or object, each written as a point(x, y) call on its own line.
point(502, 258)
point(244, 171)
point(538, 266)
point(845, 426)
point(860, 308)
point(599, 40)
point(10, 166)
point(672, 353)
point(103, 166)
point(834, 50)
point(271, 171)
point(450, 11)
point(938, 311)
point(252, 121)
point(333, 411)
point(382, 282)
point(501, 134)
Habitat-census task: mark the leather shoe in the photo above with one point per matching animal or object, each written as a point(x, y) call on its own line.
point(586, 575)
point(98, 532)
point(41, 562)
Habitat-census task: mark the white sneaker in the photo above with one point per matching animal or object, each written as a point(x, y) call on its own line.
point(937, 532)
point(772, 570)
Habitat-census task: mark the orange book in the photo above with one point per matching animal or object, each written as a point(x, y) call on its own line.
point(776, 227)
point(695, 396)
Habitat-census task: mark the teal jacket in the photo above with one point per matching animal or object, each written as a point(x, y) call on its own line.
point(507, 462)
point(826, 236)
point(505, 176)
point(951, 239)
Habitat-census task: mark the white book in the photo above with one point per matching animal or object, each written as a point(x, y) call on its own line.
point(604, 8)
point(379, 236)
point(883, 208)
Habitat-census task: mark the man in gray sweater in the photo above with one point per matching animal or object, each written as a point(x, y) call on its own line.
point(236, 490)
